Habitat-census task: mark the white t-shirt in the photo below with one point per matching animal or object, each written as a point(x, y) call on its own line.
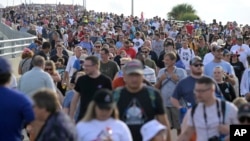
point(205, 131)
point(149, 74)
point(186, 55)
point(137, 43)
point(69, 67)
point(243, 50)
point(89, 131)
point(208, 58)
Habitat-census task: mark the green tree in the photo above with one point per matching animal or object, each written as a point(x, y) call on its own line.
point(188, 16)
point(182, 12)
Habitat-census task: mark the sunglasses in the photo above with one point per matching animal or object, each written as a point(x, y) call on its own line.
point(244, 119)
point(48, 69)
point(98, 46)
point(198, 65)
point(144, 51)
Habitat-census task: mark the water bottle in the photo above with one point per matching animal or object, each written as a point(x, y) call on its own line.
point(182, 112)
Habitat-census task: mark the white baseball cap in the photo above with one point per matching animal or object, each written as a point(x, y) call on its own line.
point(150, 129)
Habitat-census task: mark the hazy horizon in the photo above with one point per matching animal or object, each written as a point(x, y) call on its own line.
point(222, 10)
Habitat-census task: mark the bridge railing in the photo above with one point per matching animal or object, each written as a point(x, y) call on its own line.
point(12, 42)
point(12, 48)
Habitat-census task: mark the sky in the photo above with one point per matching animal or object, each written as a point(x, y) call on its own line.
point(207, 10)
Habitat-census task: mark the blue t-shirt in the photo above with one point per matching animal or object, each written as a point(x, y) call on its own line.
point(88, 45)
point(77, 64)
point(119, 44)
point(184, 92)
point(15, 110)
point(67, 101)
point(209, 68)
point(33, 46)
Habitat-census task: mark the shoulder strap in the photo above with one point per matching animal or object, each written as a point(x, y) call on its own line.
point(152, 97)
point(191, 51)
point(179, 51)
point(192, 112)
point(223, 110)
point(24, 62)
point(117, 94)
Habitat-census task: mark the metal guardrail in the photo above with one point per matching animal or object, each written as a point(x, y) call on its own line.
point(13, 48)
point(13, 42)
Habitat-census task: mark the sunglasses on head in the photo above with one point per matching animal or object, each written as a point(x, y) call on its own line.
point(198, 65)
point(244, 119)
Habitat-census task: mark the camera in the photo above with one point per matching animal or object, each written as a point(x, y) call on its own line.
point(214, 138)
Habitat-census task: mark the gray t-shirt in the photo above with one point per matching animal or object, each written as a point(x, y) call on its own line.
point(109, 69)
point(157, 47)
point(168, 86)
point(24, 65)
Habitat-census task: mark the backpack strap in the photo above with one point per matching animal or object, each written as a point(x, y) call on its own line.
point(152, 97)
point(117, 94)
point(192, 112)
point(223, 110)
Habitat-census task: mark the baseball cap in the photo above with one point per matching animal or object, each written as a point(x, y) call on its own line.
point(150, 129)
point(195, 60)
point(5, 66)
point(239, 37)
point(134, 66)
point(244, 110)
point(220, 42)
point(103, 99)
point(215, 48)
point(226, 52)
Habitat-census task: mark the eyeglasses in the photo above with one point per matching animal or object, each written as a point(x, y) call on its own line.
point(201, 90)
point(198, 65)
point(98, 46)
point(244, 119)
point(48, 69)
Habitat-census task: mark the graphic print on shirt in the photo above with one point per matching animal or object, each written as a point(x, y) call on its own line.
point(102, 136)
point(137, 43)
point(134, 114)
point(185, 56)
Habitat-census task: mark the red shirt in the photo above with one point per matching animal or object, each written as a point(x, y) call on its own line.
point(118, 82)
point(130, 51)
point(189, 28)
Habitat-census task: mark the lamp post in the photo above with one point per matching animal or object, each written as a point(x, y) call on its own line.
point(132, 7)
point(84, 4)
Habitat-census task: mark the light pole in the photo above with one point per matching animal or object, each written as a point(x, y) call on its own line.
point(132, 7)
point(84, 4)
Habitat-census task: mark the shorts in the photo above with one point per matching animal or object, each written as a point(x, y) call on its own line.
point(173, 117)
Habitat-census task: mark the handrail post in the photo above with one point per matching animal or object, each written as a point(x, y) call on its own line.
point(13, 49)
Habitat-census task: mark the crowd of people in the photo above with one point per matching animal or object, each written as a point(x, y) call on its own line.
point(128, 79)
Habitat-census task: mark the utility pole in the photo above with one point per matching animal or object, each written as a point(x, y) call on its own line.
point(132, 7)
point(84, 4)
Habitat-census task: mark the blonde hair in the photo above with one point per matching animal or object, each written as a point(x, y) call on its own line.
point(239, 101)
point(90, 114)
point(51, 64)
point(125, 59)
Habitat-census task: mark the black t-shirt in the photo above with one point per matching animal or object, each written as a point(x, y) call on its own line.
point(135, 109)
point(87, 86)
point(55, 57)
point(238, 69)
point(227, 91)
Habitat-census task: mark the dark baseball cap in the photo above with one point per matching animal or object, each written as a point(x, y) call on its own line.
point(244, 110)
point(5, 66)
point(195, 60)
point(132, 67)
point(103, 99)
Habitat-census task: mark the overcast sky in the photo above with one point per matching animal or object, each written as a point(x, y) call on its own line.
point(222, 10)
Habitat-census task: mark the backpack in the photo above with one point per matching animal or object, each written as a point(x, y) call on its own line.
point(151, 94)
point(223, 110)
